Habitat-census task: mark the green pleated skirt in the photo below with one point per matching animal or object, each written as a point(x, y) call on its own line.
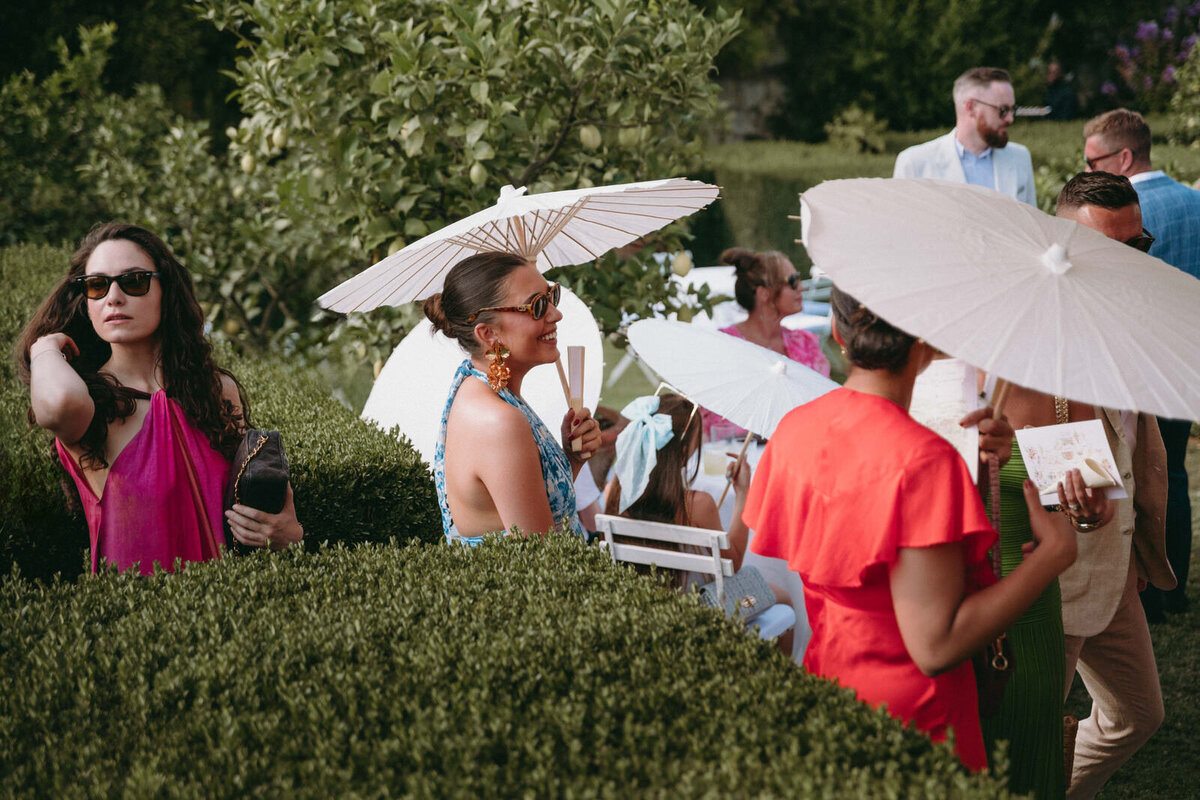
point(1031, 715)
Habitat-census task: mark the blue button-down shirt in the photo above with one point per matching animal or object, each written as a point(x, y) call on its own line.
point(1171, 212)
point(979, 169)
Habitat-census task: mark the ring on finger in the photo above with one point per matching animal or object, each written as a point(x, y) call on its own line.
point(1074, 506)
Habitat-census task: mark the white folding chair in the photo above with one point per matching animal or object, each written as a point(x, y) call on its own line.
point(769, 624)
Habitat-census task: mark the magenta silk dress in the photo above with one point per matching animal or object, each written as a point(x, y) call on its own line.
point(149, 511)
point(802, 347)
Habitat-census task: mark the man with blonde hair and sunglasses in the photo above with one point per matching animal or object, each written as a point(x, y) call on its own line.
point(1118, 141)
point(977, 151)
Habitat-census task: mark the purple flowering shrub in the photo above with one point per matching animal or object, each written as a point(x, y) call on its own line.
point(1146, 61)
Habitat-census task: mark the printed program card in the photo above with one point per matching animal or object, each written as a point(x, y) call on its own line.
point(945, 393)
point(1051, 450)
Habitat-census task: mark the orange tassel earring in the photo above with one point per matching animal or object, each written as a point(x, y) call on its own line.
point(498, 372)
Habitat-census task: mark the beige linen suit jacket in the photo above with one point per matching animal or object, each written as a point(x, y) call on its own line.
point(938, 158)
point(1093, 585)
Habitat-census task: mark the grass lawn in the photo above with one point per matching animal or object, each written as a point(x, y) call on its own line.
point(1159, 769)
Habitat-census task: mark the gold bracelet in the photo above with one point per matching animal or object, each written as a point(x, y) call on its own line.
point(43, 352)
point(1084, 527)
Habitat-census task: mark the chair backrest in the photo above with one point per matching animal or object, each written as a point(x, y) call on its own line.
point(708, 562)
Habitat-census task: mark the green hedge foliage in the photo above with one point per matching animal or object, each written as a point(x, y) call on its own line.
point(353, 483)
point(522, 668)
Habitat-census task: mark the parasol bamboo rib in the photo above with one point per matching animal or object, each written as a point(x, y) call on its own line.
point(586, 249)
point(397, 281)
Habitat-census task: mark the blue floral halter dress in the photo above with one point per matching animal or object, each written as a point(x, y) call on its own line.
point(556, 469)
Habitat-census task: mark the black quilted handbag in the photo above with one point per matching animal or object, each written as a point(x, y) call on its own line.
point(259, 475)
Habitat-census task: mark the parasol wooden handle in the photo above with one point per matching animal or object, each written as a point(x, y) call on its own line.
point(1000, 397)
point(740, 460)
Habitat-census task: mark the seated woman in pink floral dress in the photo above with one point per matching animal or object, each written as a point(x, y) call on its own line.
point(768, 287)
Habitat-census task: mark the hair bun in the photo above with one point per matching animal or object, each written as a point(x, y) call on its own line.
point(739, 258)
point(436, 314)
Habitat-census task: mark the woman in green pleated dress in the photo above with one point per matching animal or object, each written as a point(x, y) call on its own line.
point(1031, 714)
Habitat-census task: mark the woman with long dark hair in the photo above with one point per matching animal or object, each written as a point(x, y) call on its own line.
point(651, 482)
point(496, 464)
point(145, 423)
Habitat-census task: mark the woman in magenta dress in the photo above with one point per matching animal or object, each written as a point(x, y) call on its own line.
point(880, 518)
point(768, 287)
point(144, 422)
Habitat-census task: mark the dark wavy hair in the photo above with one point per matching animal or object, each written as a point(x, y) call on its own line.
point(665, 498)
point(190, 376)
point(870, 341)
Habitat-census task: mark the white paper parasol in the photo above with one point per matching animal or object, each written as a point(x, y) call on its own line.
point(412, 386)
point(1038, 300)
point(751, 386)
point(558, 228)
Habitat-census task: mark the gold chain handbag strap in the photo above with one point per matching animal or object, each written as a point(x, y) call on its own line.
point(1062, 410)
point(249, 456)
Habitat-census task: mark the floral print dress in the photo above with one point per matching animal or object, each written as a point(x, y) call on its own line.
point(556, 468)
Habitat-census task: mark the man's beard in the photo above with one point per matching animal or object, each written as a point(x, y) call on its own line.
point(994, 138)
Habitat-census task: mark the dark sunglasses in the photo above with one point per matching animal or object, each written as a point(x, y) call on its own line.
point(134, 284)
point(1141, 242)
point(1001, 111)
point(795, 281)
point(1092, 162)
point(537, 306)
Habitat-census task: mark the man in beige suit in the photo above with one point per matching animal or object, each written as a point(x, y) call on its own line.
point(1107, 638)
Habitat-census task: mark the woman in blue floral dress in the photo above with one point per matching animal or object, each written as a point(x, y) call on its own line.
point(496, 464)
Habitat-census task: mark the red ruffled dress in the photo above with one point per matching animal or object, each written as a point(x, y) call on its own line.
point(844, 482)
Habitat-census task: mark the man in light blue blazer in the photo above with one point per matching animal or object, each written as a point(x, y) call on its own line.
point(977, 151)
point(1118, 141)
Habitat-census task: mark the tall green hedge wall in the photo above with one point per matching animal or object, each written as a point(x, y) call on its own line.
point(522, 668)
point(353, 483)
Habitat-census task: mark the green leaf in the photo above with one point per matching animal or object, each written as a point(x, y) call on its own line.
point(381, 83)
point(353, 45)
point(476, 130)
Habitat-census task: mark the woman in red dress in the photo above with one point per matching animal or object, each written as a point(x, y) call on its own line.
point(880, 518)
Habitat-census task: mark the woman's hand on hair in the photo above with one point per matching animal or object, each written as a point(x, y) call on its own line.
point(54, 341)
point(583, 427)
point(995, 435)
point(255, 528)
point(57, 394)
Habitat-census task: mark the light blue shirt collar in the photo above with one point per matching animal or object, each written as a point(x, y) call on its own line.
point(979, 170)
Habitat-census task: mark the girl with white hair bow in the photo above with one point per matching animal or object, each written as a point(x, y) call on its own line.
point(651, 482)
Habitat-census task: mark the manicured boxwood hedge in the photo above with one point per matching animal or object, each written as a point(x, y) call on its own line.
point(523, 668)
point(352, 483)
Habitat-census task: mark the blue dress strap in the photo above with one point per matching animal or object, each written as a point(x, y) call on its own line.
point(556, 467)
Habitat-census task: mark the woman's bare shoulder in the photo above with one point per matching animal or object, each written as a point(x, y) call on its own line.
point(479, 411)
point(702, 510)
